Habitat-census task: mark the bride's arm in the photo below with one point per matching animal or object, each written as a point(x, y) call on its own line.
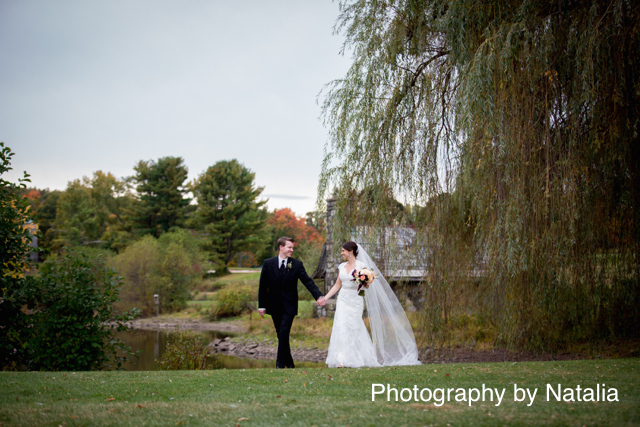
point(334, 289)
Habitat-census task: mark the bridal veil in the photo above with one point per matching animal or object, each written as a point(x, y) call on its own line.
point(391, 331)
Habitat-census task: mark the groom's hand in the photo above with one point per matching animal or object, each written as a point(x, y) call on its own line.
point(262, 312)
point(321, 301)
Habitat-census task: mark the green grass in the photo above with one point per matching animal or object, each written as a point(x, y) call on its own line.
point(203, 304)
point(240, 278)
point(315, 396)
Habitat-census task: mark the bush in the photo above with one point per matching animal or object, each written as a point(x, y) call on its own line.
point(62, 319)
point(187, 352)
point(169, 266)
point(137, 266)
point(70, 324)
point(15, 289)
point(232, 301)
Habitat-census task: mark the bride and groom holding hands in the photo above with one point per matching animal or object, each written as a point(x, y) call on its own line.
point(391, 342)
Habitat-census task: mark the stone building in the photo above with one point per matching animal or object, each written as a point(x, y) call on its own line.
point(399, 262)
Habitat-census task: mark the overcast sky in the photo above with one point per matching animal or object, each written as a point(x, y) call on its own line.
point(101, 84)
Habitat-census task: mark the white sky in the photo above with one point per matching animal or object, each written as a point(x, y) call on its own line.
point(101, 84)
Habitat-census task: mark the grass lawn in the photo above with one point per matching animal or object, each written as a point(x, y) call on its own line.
point(315, 396)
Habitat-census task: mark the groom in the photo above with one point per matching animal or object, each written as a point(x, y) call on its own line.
point(278, 295)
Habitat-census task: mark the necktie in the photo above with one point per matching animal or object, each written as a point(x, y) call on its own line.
point(282, 267)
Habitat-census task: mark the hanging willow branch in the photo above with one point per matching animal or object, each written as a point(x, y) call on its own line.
point(510, 132)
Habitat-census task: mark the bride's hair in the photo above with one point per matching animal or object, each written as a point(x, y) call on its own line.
point(351, 246)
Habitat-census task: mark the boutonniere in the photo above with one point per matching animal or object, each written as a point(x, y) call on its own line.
point(289, 266)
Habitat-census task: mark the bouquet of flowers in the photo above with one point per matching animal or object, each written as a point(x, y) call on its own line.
point(363, 278)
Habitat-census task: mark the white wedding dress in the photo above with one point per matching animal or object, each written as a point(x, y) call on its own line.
point(350, 344)
point(391, 342)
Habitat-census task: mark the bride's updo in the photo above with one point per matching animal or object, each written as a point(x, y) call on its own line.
point(351, 246)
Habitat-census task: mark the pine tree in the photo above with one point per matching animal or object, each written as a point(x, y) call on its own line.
point(161, 202)
point(229, 210)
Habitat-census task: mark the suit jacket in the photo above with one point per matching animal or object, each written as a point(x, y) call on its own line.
point(278, 293)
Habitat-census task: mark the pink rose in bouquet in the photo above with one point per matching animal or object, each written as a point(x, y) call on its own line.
point(363, 277)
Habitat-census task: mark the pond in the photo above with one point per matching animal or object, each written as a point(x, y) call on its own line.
point(152, 345)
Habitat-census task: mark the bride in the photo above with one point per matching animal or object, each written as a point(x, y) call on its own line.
point(351, 346)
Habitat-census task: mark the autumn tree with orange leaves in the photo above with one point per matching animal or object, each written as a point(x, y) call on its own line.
point(308, 240)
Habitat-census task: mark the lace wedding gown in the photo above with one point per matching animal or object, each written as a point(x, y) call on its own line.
point(350, 344)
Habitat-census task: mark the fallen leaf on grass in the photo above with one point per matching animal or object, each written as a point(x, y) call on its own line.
point(278, 396)
point(111, 399)
point(140, 406)
point(243, 419)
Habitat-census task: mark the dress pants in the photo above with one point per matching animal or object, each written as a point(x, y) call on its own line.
point(282, 323)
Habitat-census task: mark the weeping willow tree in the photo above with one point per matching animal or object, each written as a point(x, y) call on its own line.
point(510, 132)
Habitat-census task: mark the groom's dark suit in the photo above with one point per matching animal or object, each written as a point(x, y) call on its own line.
point(278, 294)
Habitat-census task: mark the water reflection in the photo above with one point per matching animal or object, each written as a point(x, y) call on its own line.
point(152, 345)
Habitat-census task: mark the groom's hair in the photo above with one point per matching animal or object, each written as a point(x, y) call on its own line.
point(283, 241)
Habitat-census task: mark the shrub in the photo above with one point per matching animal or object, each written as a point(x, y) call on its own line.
point(137, 266)
point(187, 352)
point(62, 319)
point(15, 289)
point(169, 266)
point(232, 301)
point(70, 317)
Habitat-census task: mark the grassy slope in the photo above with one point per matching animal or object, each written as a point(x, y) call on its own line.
point(317, 397)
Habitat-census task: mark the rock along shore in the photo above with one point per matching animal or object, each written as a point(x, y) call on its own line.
point(263, 350)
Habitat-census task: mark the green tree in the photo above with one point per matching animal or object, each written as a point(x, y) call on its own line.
point(161, 203)
point(73, 325)
point(527, 114)
point(170, 266)
point(14, 248)
point(61, 319)
point(89, 209)
point(43, 209)
point(229, 210)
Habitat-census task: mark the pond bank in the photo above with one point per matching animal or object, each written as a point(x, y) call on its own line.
point(233, 326)
point(268, 349)
point(232, 346)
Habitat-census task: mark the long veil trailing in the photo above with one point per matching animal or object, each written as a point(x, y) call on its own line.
point(391, 331)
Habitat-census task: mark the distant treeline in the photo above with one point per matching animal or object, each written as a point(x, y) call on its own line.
point(226, 214)
point(158, 238)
